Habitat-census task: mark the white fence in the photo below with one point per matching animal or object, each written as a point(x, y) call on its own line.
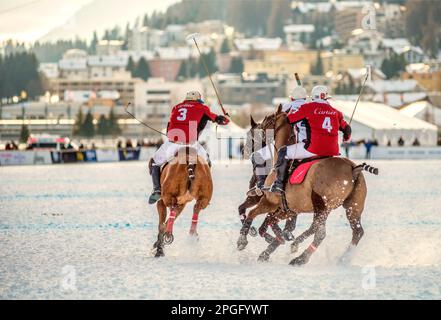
point(144, 154)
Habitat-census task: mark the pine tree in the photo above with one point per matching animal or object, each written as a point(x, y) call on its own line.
point(131, 66)
point(142, 70)
point(112, 123)
point(236, 65)
point(183, 70)
point(225, 48)
point(210, 60)
point(93, 43)
point(318, 67)
point(78, 126)
point(88, 127)
point(103, 126)
point(24, 133)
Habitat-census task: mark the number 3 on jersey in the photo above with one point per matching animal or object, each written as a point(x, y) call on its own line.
point(327, 124)
point(182, 114)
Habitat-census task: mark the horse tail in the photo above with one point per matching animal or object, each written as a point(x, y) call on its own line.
point(191, 156)
point(363, 167)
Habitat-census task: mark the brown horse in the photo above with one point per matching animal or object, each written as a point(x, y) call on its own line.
point(187, 177)
point(329, 184)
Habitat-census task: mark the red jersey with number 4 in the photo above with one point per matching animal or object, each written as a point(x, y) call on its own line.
point(322, 125)
point(187, 120)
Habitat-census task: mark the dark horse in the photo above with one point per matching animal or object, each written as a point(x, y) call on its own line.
point(260, 140)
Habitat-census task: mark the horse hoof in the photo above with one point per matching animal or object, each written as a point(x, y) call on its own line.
point(288, 236)
point(264, 257)
point(242, 242)
point(168, 238)
point(294, 247)
point(159, 253)
point(253, 232)
point(269, 238)
point(299, 261)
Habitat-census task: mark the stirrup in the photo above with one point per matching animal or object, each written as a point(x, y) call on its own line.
point(155, 196)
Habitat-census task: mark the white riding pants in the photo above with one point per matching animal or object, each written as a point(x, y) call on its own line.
point(168, 150)
point(298, 151)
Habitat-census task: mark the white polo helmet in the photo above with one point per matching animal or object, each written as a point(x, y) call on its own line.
point(193, 95)
point(320, 93)
point(299, 93)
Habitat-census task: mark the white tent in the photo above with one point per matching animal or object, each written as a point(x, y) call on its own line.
point(423, 110)
point(379, 121)
point(224, 142)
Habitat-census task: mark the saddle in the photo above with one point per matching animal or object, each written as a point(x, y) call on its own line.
point(299, 168)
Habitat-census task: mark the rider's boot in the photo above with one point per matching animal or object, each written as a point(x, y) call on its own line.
point(259, 166)
point(281, 167)
point(156, 179)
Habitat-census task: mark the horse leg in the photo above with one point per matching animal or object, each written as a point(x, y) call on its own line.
point(248, 203)
point(264, 206)
point(306, 234)
point(175, 211)
point(319, 227)
point(194, 221)
point(264, 228)
point(274, 243)
point(319, 206)
point(354, 206)
point(290, 226)
point(159, 244)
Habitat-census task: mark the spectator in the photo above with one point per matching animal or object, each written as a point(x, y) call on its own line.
point(93, 147)
point(8, 146)
point(416, 143)
point(129, 144)
point(368, 145)
point(138, 143)
point(119, 144)
point(389, 143)
point(401, 141)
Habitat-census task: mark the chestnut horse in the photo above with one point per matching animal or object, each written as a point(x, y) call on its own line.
point(329, 184)
point(185, 178)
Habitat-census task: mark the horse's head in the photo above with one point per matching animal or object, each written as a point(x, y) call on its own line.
point(262, 133)
point(276, 127)
point(254, 138)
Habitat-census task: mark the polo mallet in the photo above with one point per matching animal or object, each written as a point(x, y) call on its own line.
point(296, 75)
point(126, 108)
point(193, 37)
point(368, 69)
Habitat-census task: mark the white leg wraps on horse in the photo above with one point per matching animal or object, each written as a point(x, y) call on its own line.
point(298, 151)
point(168, 150)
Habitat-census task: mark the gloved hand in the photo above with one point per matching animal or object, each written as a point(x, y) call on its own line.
point(347, 133)
point(222, 120)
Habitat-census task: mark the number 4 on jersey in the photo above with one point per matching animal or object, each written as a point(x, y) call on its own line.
point(327, 124)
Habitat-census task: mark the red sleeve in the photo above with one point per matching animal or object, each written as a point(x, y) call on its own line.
point(296, 116)
point(212, 116)
point(341, 121)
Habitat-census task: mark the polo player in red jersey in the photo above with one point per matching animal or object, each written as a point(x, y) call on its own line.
point(187, 120)
point(322, 123)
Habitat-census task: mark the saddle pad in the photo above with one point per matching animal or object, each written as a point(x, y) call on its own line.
point(300, 172)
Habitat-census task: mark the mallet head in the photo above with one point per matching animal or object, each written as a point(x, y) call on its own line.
point(192, 37)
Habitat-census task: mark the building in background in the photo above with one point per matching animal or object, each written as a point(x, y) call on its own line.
point(251, 89)
point(298, 33)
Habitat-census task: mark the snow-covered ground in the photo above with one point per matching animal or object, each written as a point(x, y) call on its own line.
point(85, 231)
